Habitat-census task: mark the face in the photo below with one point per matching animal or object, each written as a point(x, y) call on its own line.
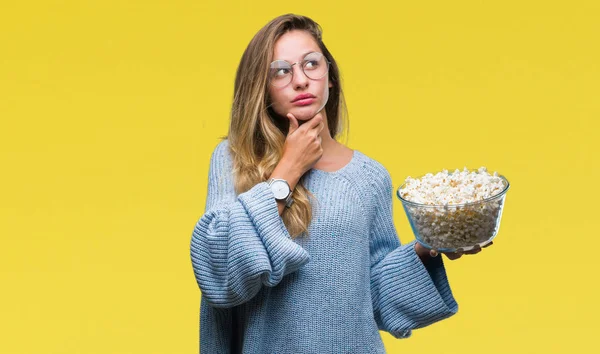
point(293, 47)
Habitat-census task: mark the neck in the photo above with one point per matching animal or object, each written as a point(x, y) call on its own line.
point(327, 142)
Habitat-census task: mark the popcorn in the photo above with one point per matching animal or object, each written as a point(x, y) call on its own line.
point(459, 187)
point(453, 214)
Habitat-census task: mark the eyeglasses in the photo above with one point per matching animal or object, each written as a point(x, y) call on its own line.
point(314, 66)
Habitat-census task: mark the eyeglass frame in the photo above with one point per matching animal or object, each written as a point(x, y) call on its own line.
point(327, 62)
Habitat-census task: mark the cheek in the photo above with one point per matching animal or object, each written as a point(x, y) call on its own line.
point(325, 94)
point(275, 101)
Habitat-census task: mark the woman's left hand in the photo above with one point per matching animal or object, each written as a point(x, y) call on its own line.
point(425, 253)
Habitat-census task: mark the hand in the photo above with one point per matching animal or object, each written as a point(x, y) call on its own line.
point(302, 148)
point(425, 253)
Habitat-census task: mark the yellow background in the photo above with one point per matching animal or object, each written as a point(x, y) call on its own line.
point(110, 109)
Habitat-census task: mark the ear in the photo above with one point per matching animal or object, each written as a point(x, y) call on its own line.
point(330, 84)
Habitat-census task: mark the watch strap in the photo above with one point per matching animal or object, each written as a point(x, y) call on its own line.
point(289, 200)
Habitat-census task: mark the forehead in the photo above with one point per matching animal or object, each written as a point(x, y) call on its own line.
point(294, 45)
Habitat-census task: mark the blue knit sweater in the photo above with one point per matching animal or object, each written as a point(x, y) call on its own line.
point(331, 292)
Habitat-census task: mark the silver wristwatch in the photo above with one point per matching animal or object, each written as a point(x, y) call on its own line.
point(282, 191)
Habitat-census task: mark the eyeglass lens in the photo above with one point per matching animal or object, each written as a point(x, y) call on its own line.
point(314, 67)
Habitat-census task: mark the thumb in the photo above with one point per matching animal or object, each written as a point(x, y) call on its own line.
point(293, 123)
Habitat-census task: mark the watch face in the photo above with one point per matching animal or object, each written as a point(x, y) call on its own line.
point(280, 189)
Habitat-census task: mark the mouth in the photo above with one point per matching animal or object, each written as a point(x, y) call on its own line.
point(304, 101)
point(303, 96)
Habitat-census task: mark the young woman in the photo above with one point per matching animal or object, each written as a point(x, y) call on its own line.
point(297, 251)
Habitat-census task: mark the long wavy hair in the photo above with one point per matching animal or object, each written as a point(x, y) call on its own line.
point(257, 134)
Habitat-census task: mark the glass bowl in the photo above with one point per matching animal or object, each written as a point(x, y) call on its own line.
point(456, 227)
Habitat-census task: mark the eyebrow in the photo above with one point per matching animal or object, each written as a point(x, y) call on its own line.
point(304, 55)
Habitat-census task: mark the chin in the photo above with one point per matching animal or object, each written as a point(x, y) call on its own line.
point(303, 116)
point(305, 112)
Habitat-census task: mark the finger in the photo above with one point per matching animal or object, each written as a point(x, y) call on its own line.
point(310, 124)
point(453, 256)
point(293, 123)
point(314, 122)
point(477, 249)
point(315, 127)
point(319, 128)
point(488, 245)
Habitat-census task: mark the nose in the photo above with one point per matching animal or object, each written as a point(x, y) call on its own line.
point(299, 79)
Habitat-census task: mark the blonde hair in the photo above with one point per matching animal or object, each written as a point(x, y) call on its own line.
point(257, 134)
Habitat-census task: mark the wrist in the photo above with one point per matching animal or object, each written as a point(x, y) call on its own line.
point(287, 172)
point(423, 253)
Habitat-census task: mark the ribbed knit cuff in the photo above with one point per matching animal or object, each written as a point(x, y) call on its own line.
point(437, 273)
point(286, 256)
point(409, 296)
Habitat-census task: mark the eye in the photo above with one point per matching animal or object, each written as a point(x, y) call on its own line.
point(280, 68)
point(311, 64)
point(282, 72)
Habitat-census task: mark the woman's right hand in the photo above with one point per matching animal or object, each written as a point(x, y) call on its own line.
point(302, 148)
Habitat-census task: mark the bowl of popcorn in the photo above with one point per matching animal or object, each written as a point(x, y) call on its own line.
point(454, 212)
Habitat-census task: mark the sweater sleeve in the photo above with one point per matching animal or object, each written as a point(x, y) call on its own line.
point(406, 293)
point(241, 242)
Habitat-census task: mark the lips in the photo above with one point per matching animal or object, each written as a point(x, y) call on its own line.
point(303, 96)
point(304, 102)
